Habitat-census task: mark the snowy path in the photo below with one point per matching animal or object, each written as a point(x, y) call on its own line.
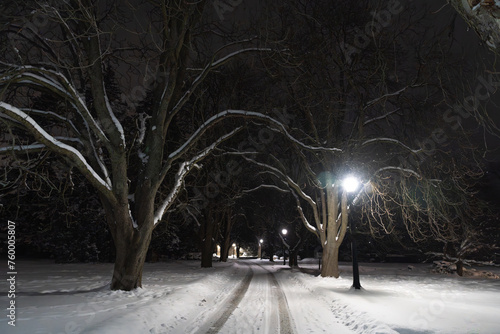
point(250, 296)
point(225, 310)
point(263, 309)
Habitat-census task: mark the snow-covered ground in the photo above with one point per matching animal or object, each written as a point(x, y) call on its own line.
point(250, 296)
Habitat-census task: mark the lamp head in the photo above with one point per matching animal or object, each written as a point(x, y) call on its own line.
point(350, 183)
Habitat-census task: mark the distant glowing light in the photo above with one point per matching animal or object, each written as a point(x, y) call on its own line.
point(284, 231)
point(261, 241)
point(350, 184)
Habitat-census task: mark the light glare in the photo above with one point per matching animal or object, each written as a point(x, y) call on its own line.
point(284, 231)
point(350, 184)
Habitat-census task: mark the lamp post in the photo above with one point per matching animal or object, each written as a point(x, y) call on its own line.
point(260, 248)
point(351, 184)
point(284, 232)
point(234, 251)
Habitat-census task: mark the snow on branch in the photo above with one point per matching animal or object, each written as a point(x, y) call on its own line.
point(285, 178)
point(380, 98)
point(266, 186)
point(55, 145)
point(32, 147)
point(295, 189)
point(184, 169)
point(210, 66)
point(390, 141)
point(244, 114)
point(225, 59)
point(380, 117)
point(54, 115)
point(59, 85)
point(306, 222)
point(399, 169)
point(111, 114)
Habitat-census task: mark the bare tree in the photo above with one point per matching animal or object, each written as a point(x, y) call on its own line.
point(372, 106)
point(69, 51)
point(484, 17)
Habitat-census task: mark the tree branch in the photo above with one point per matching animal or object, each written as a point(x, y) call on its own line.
point(60, 148)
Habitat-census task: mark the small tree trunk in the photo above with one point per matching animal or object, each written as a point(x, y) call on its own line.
point(207, 254)
point(224, 253)
point(460, 268)
point(207, 249)
point(207, 246)
point(271, 252)
point(292, 262)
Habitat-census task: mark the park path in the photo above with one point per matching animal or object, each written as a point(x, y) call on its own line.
point(258, 304)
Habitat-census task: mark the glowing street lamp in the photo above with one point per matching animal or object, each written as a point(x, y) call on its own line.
point(261, 241)
point(351, 184)
point(284, 232)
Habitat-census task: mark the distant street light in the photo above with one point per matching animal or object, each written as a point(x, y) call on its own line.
point(260, 248)
point(234, 251)
point(351, 184)
point(284, 232)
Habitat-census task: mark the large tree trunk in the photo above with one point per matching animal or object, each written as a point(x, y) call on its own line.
point(330, 261)
point(336, 230)
point(129, 263)
point(131, 245)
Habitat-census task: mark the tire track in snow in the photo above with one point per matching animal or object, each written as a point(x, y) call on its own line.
point(286, 326)
point(277, 318)
point(264, 309)
point(230, 306)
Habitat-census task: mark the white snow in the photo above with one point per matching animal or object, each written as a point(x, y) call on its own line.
point(184, 169)
point(134, 222)
point(392, 141)
point(244, 113)
point(115, 120)
point(180, 297)
point(143, 117)
point(34, 127)
point(143, 156)
point(22, 147)
point(66, 90)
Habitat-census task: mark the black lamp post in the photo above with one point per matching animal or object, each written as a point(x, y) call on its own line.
point(260, 247)
point(350, 184)
point(355, 268)
point(284, 232)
